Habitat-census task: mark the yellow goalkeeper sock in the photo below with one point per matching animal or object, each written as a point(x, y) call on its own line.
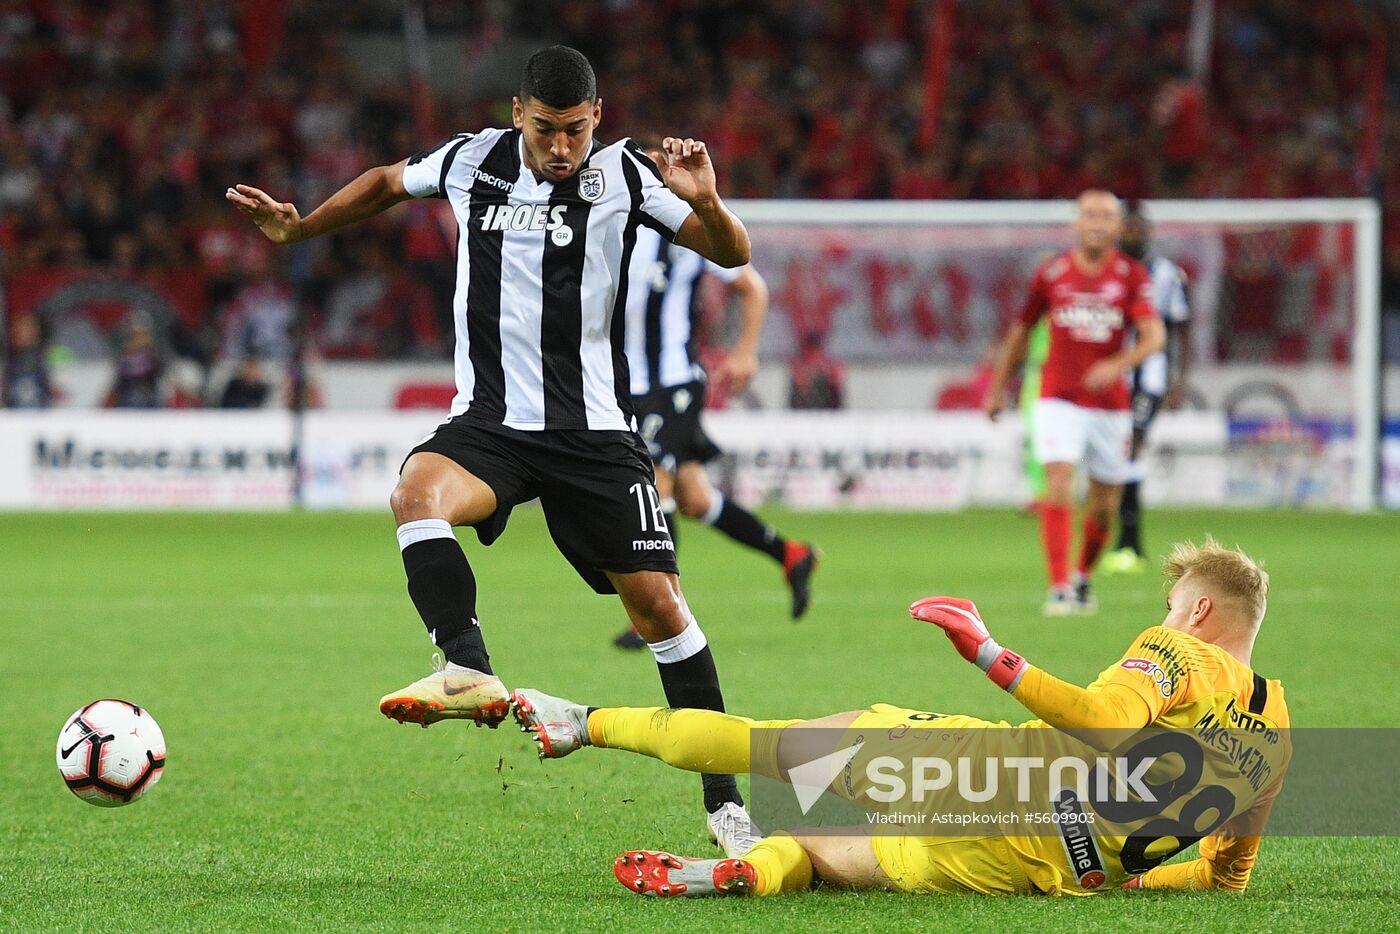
point(781, 865)
point(694, 740)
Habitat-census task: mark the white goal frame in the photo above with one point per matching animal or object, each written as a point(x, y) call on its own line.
point(1366, 269)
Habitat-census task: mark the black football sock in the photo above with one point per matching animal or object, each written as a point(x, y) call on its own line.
point(746, 528)
point(443, 589)
point(1129, 529)
point(689, 678)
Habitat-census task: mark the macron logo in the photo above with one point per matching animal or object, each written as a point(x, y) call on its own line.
point(493, 181)
point(652, 544)
point(810, 780)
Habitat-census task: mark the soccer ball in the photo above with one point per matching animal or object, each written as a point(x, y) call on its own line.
point(110, 753)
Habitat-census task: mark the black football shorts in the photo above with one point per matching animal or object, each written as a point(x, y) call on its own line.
point(597, 489)
point(669, 420)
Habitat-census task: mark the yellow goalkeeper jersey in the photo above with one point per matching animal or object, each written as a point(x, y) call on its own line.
point(1216, 733)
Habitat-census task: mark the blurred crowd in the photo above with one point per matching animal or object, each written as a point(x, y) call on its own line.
point(123, 121)
point(1042, 98)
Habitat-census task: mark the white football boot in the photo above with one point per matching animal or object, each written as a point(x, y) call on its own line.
point(1059, 602)
point(449, 693)
point(732, 830)
point(558, 726)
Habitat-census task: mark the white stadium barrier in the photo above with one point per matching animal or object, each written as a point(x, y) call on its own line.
point(245, 460)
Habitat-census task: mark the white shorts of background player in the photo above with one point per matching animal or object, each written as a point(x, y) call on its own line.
point(1099, 439)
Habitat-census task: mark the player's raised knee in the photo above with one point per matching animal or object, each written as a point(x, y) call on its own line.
point(692, 503)
point(413, 500)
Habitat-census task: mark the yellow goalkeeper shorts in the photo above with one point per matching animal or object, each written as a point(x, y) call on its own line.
point(922, 864)
point(951, 865)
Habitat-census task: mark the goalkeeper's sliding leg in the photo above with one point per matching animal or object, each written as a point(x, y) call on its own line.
point(707, 741)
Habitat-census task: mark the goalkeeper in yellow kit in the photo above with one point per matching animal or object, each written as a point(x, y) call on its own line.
point(1191, 673)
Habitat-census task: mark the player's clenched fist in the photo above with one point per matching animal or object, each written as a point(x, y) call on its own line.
point(962, 624)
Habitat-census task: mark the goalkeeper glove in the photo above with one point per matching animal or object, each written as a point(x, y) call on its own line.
point(963, 626)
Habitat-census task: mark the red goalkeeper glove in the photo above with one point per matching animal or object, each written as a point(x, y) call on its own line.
point(962, 624)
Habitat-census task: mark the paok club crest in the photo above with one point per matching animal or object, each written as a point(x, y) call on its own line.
point(590, 184)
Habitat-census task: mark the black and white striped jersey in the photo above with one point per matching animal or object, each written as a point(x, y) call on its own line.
point(1169, 295)
point(663, 305)
point(542, 277)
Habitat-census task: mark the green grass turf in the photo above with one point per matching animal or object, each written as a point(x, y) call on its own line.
point(261, 643)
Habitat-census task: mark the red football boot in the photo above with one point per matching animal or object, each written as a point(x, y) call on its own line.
point(799, 561)
point(649, 872)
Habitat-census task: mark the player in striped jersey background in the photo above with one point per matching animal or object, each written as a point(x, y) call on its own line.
point(669, 387)
point(1159, 381)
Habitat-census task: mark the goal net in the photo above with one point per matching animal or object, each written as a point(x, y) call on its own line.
point(907, 297)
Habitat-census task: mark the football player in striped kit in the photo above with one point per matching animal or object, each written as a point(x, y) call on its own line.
point(1159, 381)
point(669, 386)
point(548, 218)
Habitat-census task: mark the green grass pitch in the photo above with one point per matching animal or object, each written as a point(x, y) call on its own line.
point(262, 643)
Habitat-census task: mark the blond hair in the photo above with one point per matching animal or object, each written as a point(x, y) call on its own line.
point(1228, 571)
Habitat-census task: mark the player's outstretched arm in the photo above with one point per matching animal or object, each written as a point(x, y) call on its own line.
point(712, 230)
point(1057, 702)
point(373, 192)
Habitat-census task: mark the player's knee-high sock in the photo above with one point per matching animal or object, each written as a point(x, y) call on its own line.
point(694, 740)
point(443, 589)
point(1055, 533)
point(1129, 515)
point(744, 527)
point(689, 678)
point(781, 865)
point(1095, 535)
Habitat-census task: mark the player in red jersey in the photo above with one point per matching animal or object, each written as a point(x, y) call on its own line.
point(1092, 294)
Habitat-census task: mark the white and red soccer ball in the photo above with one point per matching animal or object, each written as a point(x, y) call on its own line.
point(110, 753)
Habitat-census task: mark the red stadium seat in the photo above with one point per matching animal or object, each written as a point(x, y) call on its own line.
point(959, 396)
point(425, 396)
